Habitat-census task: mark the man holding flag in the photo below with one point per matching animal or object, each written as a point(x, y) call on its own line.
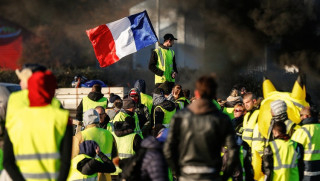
point(163, 63)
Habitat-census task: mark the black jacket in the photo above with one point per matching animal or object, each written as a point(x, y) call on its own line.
point(89, 166)
point(157, 113)
point(154, 60)
point(95, 96)
point(196, 137)
point(123, 128)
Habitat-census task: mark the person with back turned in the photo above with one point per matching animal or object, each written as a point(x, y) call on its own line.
point(197, 135)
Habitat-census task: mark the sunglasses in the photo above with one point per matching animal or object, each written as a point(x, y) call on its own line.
point(238, 110)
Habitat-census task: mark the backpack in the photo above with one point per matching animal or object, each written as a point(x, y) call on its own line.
point(131, 170)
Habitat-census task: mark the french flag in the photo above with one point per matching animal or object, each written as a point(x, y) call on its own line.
point(120, 38)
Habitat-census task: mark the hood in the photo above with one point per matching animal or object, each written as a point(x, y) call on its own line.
point(202, 106)
point(42, 86)
point(138, 92)
point(95, 96)
point(158, 99)
point(168, 105)
point(151, 143)
point(140, 85)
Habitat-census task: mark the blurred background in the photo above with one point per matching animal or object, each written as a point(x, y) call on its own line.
point(241, 41)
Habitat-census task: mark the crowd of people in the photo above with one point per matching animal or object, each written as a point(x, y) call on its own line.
point(164, 136)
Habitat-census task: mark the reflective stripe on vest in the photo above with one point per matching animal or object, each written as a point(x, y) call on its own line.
point(258, 141)
point(164, 63)
point(285, 160)
point(167, 116)
point(101, 136)
point(75, 174)
point(37, 155)
point(181, 102)
point(307, 135)
point(249, 123)
point(87, 103)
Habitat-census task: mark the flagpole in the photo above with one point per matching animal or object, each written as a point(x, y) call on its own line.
point(158, 22)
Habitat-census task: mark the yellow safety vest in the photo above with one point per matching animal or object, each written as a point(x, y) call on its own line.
point(90, 104)
point(75, 174)
point(18, 100)
point(121, 116)
point(147, 101)
point(249, 121)
point(36, 137)
point(164, 63)
point(125, 148)
point(228, 111)
point(102, 137)
point(181, 102)
point(285, 160)
point(167, 116)
point(308, 136)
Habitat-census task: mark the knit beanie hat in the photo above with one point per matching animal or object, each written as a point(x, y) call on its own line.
point(278, 107)
point(167, 89)
point(91, 116)
point(128, 103)
point(88, 147)
point(42, 87)
point(113, 97)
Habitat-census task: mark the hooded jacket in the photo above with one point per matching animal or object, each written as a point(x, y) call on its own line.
point(94, 96)
point(157, 114)
point(141, 110)
point(123, 128)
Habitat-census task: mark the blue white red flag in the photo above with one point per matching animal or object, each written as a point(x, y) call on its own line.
point(120, 38)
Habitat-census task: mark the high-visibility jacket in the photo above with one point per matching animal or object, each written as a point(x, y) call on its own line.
point(18, 100)
point(285, 160)
point(258, 144)
point(121, 116)
point(308, 136)
point(164, 63)
point(249, 122)
point(75, 174)
point(167, 116)
point(87, 103)
point(229, 111)
point(36, 137)
point(102, 137)
point(182, 102)
point(147, 101)
point(125, 148)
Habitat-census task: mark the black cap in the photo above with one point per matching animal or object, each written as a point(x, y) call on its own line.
point(169, 37)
